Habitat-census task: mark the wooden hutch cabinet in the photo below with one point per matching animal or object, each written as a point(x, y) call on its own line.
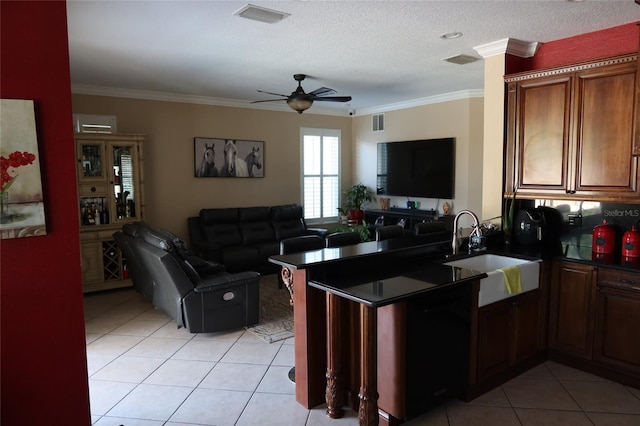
point(111, 193)
point(570, 131)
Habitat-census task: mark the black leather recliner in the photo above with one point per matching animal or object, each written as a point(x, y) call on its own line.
point(142, 281)
point(195, 293)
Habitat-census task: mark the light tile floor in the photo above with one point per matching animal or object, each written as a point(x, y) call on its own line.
point(143, 371)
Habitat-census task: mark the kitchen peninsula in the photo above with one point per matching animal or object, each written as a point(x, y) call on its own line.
point(369, 313)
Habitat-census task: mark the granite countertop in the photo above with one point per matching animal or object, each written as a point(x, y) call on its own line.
point(380, 288)
point(405, 246)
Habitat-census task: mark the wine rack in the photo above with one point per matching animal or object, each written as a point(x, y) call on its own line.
point(111, 261)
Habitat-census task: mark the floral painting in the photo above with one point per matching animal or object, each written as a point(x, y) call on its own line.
point(21, 200)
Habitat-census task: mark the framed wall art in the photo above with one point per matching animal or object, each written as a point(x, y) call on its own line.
point(21, 198)
point(228, 158)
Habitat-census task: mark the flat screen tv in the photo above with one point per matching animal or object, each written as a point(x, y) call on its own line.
point(422, 168)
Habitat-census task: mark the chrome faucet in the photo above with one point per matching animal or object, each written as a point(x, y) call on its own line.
point(475, 231)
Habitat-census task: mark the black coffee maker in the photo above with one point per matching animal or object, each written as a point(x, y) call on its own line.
point(528, 226)
point(534, 226)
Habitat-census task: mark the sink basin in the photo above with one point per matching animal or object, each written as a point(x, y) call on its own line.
point(493, 288)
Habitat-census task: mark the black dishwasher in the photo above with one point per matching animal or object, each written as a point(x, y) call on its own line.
point(437, 347)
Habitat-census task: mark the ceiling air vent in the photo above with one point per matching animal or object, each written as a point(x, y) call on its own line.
point(261, 14)
point(377, 122)
point(461, 59)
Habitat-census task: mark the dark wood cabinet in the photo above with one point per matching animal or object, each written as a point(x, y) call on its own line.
point(570, 131)
point(604, 131)
point(636, 123)
point(509, 332)
point(539, 138)
point(572, 309)
point(617, 330)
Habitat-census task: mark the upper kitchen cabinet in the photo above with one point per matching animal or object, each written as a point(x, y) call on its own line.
point(636, 124)
point(570, 132)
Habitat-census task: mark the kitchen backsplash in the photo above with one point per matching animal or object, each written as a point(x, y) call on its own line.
point(580, 218)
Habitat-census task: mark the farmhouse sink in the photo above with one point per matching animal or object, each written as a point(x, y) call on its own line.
point(493, 288)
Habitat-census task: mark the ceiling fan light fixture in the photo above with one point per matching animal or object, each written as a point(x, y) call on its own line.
point(299, 104)
point(261, 14)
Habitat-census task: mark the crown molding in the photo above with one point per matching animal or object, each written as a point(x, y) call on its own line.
point(80, 89)
point(116, 92)
point(430, 100)
point(511, 46)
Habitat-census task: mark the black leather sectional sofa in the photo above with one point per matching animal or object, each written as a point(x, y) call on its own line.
point(197, 294)
point(243, 238)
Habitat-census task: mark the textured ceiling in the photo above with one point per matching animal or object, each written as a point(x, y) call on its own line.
point(379, 52)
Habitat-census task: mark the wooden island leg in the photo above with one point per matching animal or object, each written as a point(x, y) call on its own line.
point(310, 337)
point(368, 410)
point(335, 394)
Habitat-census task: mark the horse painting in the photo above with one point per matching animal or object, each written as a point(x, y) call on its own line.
point(207, 165)
point(233, 166)
point(228, 158)
point(252, 161)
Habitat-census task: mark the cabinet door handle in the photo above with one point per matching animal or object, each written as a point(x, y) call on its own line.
point(629, 282)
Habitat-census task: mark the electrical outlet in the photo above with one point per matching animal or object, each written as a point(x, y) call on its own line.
point(575, 220)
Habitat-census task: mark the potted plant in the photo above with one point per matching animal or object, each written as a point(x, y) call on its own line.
point(362, 229)
point(354, 197)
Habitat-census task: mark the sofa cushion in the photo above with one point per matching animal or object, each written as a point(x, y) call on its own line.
point(224, 235)
point(254, 214)
point(215, 216)
point(220, 226)
point(287, 221)
point(256, 232)
point(286, 212)
point(241, 258)
point(255, 225)
point(268, 248)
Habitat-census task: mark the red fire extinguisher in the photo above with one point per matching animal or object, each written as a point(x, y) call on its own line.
point(603, 240)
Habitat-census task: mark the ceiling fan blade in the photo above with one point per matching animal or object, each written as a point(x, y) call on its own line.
point(323, 91)
point(269, 100)
point(271, 93)
point(332, 98)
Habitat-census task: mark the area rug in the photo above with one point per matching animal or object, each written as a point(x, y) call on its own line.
point(276, 314)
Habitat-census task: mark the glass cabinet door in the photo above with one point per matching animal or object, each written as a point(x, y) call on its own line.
point(91, 161)
point(124, 178)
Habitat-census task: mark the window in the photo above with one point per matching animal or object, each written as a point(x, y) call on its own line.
point(320, 174)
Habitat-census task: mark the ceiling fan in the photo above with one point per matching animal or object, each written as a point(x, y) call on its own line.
point(300, 101)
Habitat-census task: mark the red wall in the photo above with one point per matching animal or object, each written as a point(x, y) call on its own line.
point(599, 44)
point(42, 357)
